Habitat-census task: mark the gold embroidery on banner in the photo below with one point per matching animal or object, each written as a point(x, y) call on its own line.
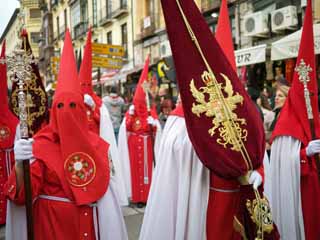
point(31, 90)
point(260, 213)
point(216, 108)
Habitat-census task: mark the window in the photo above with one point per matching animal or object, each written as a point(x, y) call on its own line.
point(65, 19)
point(35, 37)
point(94, 13)
point(123, 4)
point(124, 38)
point(75, 15)
point(109, 37)
point(58, 26)
point(35, 13)
point(109, 8)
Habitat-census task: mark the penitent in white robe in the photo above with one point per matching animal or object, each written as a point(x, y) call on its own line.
point(282, 187)
point(178, 198)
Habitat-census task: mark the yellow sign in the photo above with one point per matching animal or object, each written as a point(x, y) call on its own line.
point(110, 63)
point(55, 59)
point(112, 50)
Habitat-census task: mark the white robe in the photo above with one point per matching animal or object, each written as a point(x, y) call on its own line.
point(124, 153)
point(282, 186)
point(111, 221)
point(107, 133)
point(178, 198)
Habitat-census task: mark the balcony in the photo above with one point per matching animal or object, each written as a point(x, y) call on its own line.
point(80, 30)
point(147, 26)
point(105, 16)
point(121, 11)
point(208, 5)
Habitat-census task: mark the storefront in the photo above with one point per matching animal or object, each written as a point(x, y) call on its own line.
point(285, 51)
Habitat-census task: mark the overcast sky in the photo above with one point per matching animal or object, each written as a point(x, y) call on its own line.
point(7, 8)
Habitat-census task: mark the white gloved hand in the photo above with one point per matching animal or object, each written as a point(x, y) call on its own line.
point(23, 149)
point(313, 147)
point(131, 110)
point(255, 179)
point(87, 99)
point(151, 121)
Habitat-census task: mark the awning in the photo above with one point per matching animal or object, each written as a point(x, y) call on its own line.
point(122, 75)
point(251, 55)
point(288, 47)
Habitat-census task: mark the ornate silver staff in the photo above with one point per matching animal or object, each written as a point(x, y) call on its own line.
point(20, 69)
point(303, 71)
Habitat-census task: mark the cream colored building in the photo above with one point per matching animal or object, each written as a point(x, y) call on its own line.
point(33, 21)
point(110, 22)
point(11, 33)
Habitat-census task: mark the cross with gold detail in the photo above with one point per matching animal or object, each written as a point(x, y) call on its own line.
point(303, 71)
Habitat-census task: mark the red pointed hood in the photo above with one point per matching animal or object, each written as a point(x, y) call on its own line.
point(207, 84)
point(224, 34)
point(85, 73)
point(67, 78)
point(82, 166)
point(8, 121)
point(139, 97)
point(293, 119)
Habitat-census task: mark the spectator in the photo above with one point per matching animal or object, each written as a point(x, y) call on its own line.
point(115, 105)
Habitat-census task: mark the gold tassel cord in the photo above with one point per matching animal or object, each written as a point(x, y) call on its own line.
point(235, 135)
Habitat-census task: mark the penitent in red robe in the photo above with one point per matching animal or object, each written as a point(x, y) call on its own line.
point(140, 149)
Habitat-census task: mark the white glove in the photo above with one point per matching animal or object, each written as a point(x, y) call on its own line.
point(131, 110)
point(23, 149)
point(255, 179)
point(89, 101)
point(313, 147)
point(151, 121)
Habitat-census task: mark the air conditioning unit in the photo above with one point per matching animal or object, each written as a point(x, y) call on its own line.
point(256, 24)
point(165, 49)
point(284, 18)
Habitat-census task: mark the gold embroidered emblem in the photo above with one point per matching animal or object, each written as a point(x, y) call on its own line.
point(80, 169)
point(4, 133)
point(260, 214)
point(136, 124)
point(221, 109)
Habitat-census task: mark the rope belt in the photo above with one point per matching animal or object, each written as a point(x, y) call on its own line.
point(224, 190)
point(66, 200)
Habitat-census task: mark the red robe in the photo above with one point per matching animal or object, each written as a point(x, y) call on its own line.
point(6, 163)
point(140, 148)
point(224, 200)
point(52, 219)
point(8, 124)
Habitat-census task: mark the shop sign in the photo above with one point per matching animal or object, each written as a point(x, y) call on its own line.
point(250, 55)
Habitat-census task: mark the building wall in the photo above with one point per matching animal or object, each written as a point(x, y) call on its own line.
point(33, 22)
point(12, 40)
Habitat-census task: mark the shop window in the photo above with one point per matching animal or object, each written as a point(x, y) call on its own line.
point(35, 13)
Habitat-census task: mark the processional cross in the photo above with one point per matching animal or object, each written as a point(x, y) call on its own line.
point(303, 71)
